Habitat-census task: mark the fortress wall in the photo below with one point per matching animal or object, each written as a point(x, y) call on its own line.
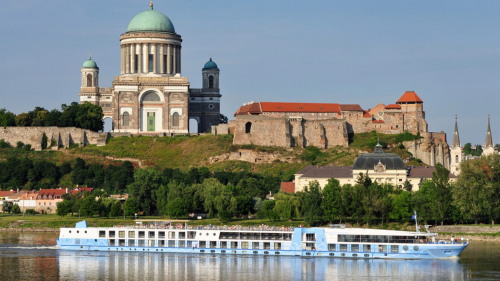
point(264, 131)
point(325, 133)
point(64, 137)
point(431, 149)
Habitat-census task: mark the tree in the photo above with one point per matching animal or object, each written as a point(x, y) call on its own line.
point(177, 208)
point(116, 209)
point(332, 200)
point(441, 194)
point(212, 189)
point(146, 183)
point(7, 118)
point(131, 207)
point(15, 209)
point(23, 120)
point(401, 207)
point(407, 186)
point(63, 208)
point(162, 200)
point(89, 207)
point(312, 203)
point(90, 116)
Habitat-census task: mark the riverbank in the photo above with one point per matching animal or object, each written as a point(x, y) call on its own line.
point(52, 223)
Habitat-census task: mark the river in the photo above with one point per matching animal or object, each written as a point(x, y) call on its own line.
point(34, 256)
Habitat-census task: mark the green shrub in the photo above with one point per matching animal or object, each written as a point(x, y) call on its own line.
point(30, 212)
point(44, 141)
point(53, 143)
point(4, 144)
point(27, 147)
point(19, 145)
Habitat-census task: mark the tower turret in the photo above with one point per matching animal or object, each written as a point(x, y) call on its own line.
point(488, 147)
point(455, 151)
point(90, 81)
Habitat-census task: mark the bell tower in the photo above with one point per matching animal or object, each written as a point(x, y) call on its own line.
point(455, 151)
point(89, 90)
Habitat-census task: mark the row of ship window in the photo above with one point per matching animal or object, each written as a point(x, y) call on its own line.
point(368, 248)
point(191, 244)
point(383, 239)
point(192, 235)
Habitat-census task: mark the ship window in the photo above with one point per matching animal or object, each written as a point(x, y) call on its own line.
point(343, 247)
point(277, 246)
point(140, 243)
point(354, 248)
point(78, 231)
point(255, 245)
point(112, 234)
point(111, 242)
point(121, 234)
point(203, 244)
point(244, 245)
point(142, 234)
point(171, 235)
point(161, 234)
point(121, 242)
point(366, 248)
point(151, 243)
point(382, 248)
point(394, 249)
point(234, 245)
point(131, 234)
point(223, 244)
point(171, 243)
point(102, 233)
point(415, 248)
point(151, 234)
point(405, 248)
point(182, 244)
point(161, 243)
point(182, 235)
point(191, 234)
point(332, 247)
point(131, 243)
point(213, 244)
point(267, 245)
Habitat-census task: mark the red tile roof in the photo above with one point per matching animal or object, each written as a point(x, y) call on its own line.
point(299, 107)
point(51, 192)
point(393, 106)
point(350, 107)
point(89, 189)
point(5, 193)
point(288, 187)
point(409, 96)
point(366, 114)
point(249, 109)
point(378, 121)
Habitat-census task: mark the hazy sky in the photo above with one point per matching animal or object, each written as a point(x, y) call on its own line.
point(363, 52)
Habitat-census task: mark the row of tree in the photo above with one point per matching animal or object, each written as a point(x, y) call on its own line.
point(85, 116)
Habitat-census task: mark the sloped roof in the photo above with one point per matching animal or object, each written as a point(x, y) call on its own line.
point(366, 114)
point(393, 106)
point(249, 109)
point(409, 96)
point(328, 172)
point(299, 107)
point(424, 171)
point(351, 107)
point(51, 192)
point(378, 121)
point(288, 187)
point(5, 193)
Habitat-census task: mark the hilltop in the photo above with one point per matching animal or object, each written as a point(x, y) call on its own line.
point(218, 153)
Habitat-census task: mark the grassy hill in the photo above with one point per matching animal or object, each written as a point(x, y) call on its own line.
point(185, 152)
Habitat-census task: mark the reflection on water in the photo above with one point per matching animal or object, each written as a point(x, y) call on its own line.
point(25, 256)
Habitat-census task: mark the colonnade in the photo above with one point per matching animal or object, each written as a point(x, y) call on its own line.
point(150, 57)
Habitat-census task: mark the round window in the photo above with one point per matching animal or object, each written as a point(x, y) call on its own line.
point(207, 234)
point(380, 113)
point(214, 234)
point(211, 106)
point(415, 248)
point(405, 248)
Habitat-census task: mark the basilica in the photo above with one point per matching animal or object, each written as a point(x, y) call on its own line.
point(151, 96)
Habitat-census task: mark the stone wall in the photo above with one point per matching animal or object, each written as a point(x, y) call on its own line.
point(251, 156)
point(289, 131)
point(64, 137)
point(432, 148)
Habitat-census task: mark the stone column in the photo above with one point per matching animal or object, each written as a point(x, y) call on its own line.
point(169, 51)
point(179, 62)
point(153, 50)
point(162, 53)
point(175, 60)
point(127, 59)
point(146, 58)
point(132, 58)
point(139, 58)
point(122, 67)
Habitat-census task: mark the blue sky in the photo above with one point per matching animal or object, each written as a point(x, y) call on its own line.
point(363, 52)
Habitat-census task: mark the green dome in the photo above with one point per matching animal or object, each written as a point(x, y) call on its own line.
point(210, 65)
point(150, 21)
point(89, 64)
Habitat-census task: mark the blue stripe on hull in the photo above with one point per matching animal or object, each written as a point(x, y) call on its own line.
point(424, 253)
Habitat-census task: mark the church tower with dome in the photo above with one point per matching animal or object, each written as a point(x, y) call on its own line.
point(151, 96)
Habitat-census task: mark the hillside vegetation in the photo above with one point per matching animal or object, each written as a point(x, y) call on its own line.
point(185, 152)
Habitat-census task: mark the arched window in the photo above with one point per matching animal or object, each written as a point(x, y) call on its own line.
point(89, 80)
point(151, 96)
point(248, 127)
point(210, 82)
point(176, 119)
point(456, 159)
point(126, 118)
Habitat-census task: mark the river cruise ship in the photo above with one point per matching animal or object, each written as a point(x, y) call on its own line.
point(335, 241)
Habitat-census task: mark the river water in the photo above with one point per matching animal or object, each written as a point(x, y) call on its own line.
point(34, 256)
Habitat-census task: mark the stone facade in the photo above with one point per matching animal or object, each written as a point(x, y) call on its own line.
point(64, 137)
point(432, 148)
point(290, 131)
point(151, 96)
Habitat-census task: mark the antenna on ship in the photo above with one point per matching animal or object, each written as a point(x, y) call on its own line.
point(416, 222)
